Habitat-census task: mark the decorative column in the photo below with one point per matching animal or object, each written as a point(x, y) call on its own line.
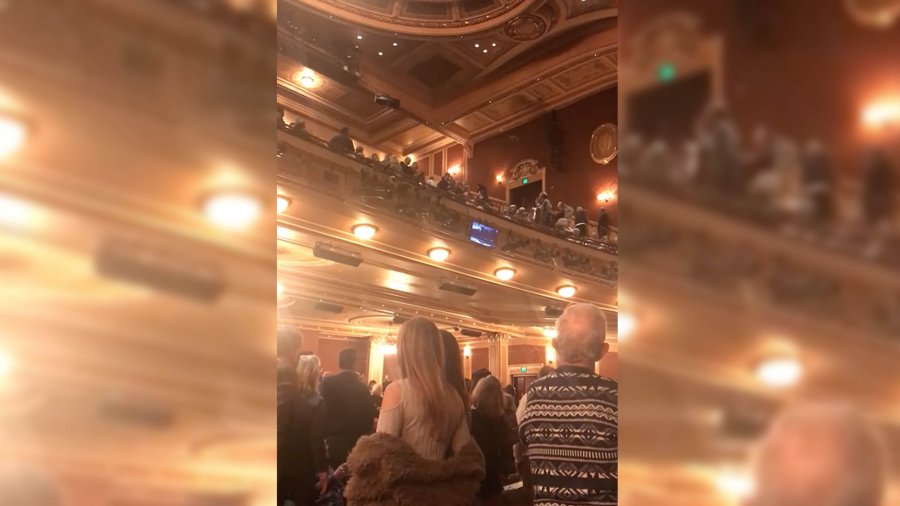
point(498, 356)
point(376, 360)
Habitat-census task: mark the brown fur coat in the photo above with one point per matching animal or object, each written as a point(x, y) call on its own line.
point(386, 471)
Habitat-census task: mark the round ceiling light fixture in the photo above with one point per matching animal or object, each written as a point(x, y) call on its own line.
point(779, 372)
point(505, 273)
point(364, 231)
point(439, 254)
point(566, 291)
point(232, 209)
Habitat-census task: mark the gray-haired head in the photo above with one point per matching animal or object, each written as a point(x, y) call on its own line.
point(581, 335)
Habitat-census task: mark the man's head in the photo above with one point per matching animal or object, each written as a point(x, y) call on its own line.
point(347, 359)
point(289, 343)
point(821, 454)
point(581, 335)
point(345, 131)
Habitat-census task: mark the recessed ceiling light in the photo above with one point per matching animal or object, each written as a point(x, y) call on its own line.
point(232, 210)
point(380, 53)
point(779, 372)
point(13, 134)
point(395, 44)
point(549, 332)
point(477, 45)
point(282, 203)
point(439, 254)
point(307, 81)
point(505, 273)
point(566, 291)
point(359, 37)
point(364, 231)
point(484, 51)
point(493, 44)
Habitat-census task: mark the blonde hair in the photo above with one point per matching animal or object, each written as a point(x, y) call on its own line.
point(488, 396)
point(420, 351)
point(308, 371)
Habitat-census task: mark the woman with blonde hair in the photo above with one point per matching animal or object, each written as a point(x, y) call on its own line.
point(306, 433)
point(491, 432)
point(422, 452)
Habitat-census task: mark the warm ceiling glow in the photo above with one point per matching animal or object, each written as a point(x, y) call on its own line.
point(307, 78)
point(467, 351)
point(549, 332)
point(454, 170)
point(734, 484)
point(439, 254)
point(364, 231)
point(388, 349)
point(6, 365)
point(232, 210)
point(13, 134)
point(283, 203)
point(15, 212)
point(882, 114)
point(359, 37)
point(566, 291)
point(606, 196)
point(625, 324)
point(779, 372)
point(505, 273)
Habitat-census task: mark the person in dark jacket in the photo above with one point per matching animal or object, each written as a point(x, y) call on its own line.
point(341, 142)
point(581, 222)
point(490, 431)
point(603, 225)
point(307, 473)
point(351, 413)
point(878, 188)
point(289, 341)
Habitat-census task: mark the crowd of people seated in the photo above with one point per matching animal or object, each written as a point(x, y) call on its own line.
point(774, 181)
point(404, 178)
point(434, 437)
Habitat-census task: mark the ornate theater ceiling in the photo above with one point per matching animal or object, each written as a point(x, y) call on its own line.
point(461, 70)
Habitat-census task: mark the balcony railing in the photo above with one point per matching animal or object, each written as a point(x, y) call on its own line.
point(305, 160)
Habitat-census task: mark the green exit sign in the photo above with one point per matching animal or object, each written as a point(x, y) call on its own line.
point(523, 369)
point(666, 72)
point(524, 180)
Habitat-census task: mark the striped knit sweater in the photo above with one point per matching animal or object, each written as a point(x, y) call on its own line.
point(571, 430)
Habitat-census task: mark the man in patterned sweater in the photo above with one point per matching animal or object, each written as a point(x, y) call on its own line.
point(570, 421)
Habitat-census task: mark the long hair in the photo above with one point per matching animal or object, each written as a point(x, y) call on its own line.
point(308, 371)
point(453, 369)
point(420, 351)
point(488, 397)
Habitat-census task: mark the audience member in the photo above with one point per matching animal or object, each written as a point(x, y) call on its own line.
point(288, 344)
point(376, 396)
point(305, 444)
point(351, 413)
point(603, 227)
point(478, 375)
point(818, 181)
point(453, 366)
point(820, 454)
point(581, 222)
point(341, 142)
point(570, 420)
point(422, 452)
point(878, 188)
point(491, 432)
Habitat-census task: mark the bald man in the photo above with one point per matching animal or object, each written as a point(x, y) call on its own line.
point(821, 455)
point(570, 418)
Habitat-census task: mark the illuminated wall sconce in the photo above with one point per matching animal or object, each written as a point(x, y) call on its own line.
point(388, 349)
point(606, 196)
point(454, 170)
point(467, 351)
point(499, 178)
point(550, 355)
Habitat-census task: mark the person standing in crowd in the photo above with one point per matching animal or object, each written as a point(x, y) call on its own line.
point(581, 222)
point(878, 188)
point(351, 413)
point(453, 366)
point(422, 452)
point(820, 454)
point(288, 344)
point(603, 225)
point(372, 383)
point(305, 445)
point(490, 431)
point(478, 375)
point(818, 182)
point(519, 450)
point(376, 396)
point(570, 425)
point(341, 142)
